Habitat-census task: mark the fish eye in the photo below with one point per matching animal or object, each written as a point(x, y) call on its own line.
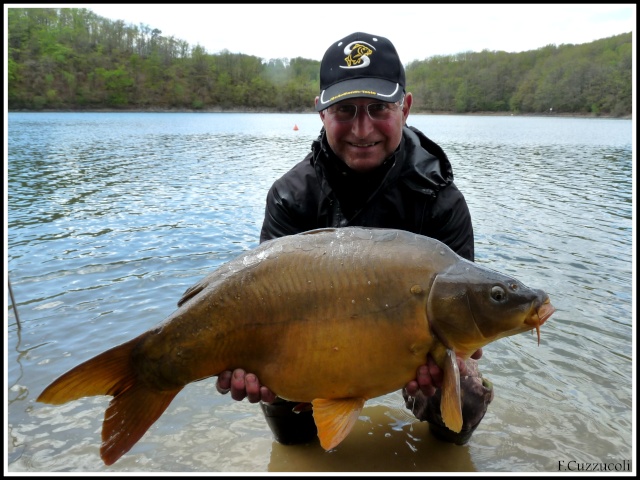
point(498, 293)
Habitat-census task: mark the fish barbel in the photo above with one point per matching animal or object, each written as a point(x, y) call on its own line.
point(333, 317)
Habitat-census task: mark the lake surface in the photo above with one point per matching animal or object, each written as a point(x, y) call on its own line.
point(112, 216)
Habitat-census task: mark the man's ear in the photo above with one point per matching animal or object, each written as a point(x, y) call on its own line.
point(406, 108)
point(321, 112)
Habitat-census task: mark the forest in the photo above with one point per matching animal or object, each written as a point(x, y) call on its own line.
point(63, 59)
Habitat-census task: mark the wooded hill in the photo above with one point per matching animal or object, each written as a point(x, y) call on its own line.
point(73, 59)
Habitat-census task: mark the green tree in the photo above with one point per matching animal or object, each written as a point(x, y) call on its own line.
point(71, 58)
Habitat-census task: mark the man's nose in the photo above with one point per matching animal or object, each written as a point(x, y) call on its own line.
point(362, 124)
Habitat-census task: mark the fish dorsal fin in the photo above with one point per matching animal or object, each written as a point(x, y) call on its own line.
point(451, 404)
point(335, 419)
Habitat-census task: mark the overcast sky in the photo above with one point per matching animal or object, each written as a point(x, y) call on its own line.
point(417, 31)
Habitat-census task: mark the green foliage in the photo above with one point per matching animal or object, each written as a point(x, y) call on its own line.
point(117, 84)
point(70, 58)
point(593, 78)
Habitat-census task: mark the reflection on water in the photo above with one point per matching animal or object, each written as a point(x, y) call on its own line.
point(111, 217)
point(382, 441)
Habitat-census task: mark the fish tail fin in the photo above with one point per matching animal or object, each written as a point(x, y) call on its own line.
point(109, 373)
point(129, 416)
point(451, 403)
point(134, 408)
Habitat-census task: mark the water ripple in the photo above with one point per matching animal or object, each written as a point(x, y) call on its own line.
point(112, 216)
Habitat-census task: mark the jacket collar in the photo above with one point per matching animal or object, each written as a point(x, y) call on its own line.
point(418, 162)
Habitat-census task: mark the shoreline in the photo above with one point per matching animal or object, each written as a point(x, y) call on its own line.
point(250, 110)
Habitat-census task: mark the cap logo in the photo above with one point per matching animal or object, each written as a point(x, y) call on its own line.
point(360, 65)
point(358, 55)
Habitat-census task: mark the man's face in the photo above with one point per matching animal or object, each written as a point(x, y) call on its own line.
point(362, 143)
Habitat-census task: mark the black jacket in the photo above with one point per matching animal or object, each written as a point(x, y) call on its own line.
point(413, 190)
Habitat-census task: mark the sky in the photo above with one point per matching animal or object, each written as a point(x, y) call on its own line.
point(418, 31)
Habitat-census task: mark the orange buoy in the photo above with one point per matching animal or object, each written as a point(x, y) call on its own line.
point(295, 127)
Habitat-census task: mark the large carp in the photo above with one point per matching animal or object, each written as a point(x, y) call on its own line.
point(333, 317)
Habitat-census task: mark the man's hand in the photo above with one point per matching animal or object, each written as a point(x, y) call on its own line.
point(243, 385)
point(429, 376)
point(246, 385)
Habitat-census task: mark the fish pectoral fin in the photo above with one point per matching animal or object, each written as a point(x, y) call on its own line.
point(451, 403)
point(335, 419)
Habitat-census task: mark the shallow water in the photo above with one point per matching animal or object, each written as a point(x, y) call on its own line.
point(112, 216)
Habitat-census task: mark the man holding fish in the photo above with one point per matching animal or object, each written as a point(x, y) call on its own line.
point(367, 168)
point(329, 318)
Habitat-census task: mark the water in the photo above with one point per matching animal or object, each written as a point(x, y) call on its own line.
point(112, 216)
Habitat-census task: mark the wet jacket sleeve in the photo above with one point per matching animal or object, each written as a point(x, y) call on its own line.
point(450, 222)
point(292, 203)
point(279, 216)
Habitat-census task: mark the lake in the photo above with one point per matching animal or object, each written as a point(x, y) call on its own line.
point(112, 216)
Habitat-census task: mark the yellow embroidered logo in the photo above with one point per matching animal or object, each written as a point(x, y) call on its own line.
point(353, 92)
point(358, 53)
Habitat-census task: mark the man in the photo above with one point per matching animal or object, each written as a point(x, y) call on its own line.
point(367, 168)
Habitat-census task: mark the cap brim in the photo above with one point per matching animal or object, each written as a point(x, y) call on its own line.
point(377, 88)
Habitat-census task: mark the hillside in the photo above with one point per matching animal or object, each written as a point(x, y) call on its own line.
point(72, 59)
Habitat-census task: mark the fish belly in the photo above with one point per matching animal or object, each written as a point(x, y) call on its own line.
point(313, 323)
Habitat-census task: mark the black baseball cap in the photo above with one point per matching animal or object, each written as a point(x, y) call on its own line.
point(360, 65)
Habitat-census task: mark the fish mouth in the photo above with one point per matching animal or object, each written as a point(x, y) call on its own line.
point(539, 316)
